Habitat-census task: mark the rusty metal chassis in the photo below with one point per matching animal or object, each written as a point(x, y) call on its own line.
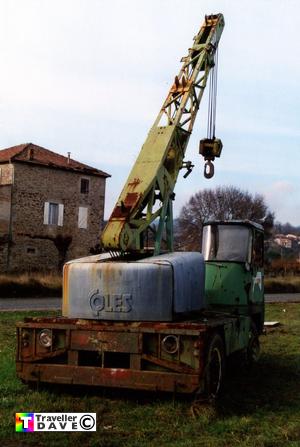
point(37, 364)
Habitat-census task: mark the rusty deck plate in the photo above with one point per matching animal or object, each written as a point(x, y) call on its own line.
point(109, 377)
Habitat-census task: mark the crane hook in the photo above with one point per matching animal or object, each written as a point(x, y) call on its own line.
point(209, 169)
point(210, 148)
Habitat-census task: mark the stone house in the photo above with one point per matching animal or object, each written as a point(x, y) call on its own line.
point(283, 241)
point(51, 208)
point(287, 240)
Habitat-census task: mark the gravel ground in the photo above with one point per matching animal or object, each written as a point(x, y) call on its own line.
point(12, 304)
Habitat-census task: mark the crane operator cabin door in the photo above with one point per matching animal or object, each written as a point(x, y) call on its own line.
point(257, 265)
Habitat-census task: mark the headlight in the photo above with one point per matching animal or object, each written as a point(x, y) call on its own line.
point(45, 338)
point(170, 344)
point(25, 338)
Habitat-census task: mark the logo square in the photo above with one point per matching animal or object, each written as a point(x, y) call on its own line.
point(24, 422)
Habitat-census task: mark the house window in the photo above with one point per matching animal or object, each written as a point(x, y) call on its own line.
point(53, 213)
point(84, 186)
point(31, 250)
point(82, 217)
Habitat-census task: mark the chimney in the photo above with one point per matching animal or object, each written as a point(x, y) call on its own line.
point(69, 155)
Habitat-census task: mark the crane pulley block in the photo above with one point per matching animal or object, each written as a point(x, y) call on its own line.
point(210, 148)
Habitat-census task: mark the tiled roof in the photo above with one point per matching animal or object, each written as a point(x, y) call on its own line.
point(31, 153)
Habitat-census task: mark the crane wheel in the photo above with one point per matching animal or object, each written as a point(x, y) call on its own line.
point(213, 377)
point(215, 367)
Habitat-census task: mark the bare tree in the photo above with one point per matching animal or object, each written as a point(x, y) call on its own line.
point(222, 203)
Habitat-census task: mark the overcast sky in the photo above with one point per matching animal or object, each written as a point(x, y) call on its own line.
point(89, 76)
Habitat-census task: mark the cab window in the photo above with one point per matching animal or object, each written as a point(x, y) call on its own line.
point(257, 251)
point(226, 242)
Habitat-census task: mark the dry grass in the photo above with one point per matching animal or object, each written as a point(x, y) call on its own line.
point(50, 284)
point(30, 284)
point(282, 284)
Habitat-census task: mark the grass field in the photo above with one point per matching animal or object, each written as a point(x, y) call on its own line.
point(258, 407)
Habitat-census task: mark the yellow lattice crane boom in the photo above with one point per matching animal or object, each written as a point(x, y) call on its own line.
point(145, 202)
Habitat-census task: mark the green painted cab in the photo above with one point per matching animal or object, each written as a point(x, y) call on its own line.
point(233, 253)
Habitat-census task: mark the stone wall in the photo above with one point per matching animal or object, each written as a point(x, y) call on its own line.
point(5, 199)
point(39, 246)
point(6, 174)
point(6, 178)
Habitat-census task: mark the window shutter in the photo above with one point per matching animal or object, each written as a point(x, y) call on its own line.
point(82, 217)
point(46, 213)
point(60, 215)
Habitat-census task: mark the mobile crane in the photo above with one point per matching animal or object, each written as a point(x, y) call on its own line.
point(142, 316)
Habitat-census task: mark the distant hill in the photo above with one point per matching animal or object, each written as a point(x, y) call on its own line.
point(286, 228)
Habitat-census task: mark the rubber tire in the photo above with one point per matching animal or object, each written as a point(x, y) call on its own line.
point(253, 350)
point(215, 367)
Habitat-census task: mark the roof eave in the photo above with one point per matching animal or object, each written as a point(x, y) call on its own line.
point(64, 168)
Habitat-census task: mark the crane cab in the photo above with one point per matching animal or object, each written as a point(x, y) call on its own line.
point(233, 253)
